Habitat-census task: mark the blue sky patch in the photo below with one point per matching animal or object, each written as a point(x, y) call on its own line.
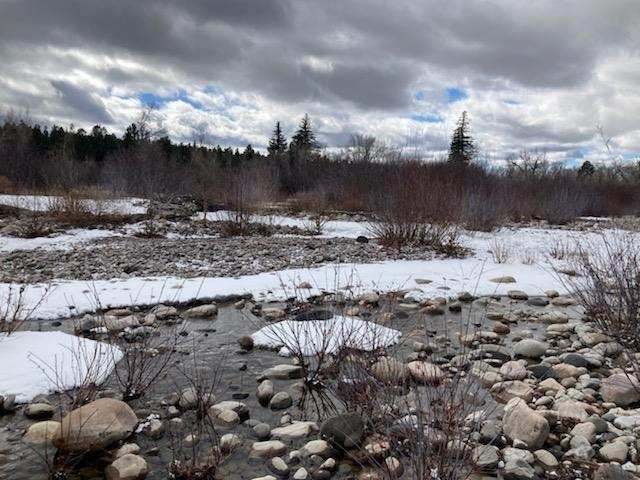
point(152, 100)
point(426, 118)
point(455, 94)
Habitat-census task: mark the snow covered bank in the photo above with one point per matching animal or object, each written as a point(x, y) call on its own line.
point(63, 241)
point(316, 336)
point(42, 203)
point(35, 363)
point(331, 228)
point(68, 298)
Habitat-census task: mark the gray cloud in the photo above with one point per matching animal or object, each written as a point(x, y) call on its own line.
point(340, 58)
point(84, 105)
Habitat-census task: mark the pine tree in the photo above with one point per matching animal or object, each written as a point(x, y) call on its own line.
point(277, 142)
point(462, 148)
point(586, 169)
point(304, 139)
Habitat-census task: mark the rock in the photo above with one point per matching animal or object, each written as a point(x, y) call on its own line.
point(505, 391)
point(371, 298)
point(570, 411)
point(538, 302)
point(316, 447)
point(279, 467)
point(262, 431)
point(501, 329)
point(282, 372)
point(273, 313)
point(280, 401)
point(517, 295)
point(229, 442)
point(265, 392)
point(614, 452)
point(620, 389)
point(611, 471)
point(529, 348)
point(188, 399)
point(268, 449)
point(301, 474)
point(246, 342)
point(127, 467)
point(344, 431)
point(562, 301)
point(485, 457)
point(127, 448)
point(163, 312)
point(513, 370)
point(202, 311)
point(424, 372)
point(240, 408)
point(389, 370)
point(561, 371)
point(155, 429)
point(546, 459)
point(505, 279)
point(422, 281)
point(518, 464)
point(39, 410)
point(393, 467)
point(522, 423)
point(295, 430)
point(225, 418)
point(96, 425)
point(42, 432)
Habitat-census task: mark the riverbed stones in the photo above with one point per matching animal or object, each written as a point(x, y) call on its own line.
point(517, 295)
point(505, 391)
point(280, 401)
point(295, 430)
point(202, 311)
point(42, 433)
point(268, 449)
point(282, 372)
point(523, 423)
point(279, 467)
point(620, 389)
point(389, 370)
point(96, 425)
point(425, 372)
point(615, 451)
point(503, 279)
point(39, 410)
point(127, 467)
point(163, 312)
point(485, 457)
point(316, 447)
point(344, 431)
point(265, 392)
point(529, 348)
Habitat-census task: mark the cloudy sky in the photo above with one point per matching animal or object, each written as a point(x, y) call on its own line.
point(536, 74)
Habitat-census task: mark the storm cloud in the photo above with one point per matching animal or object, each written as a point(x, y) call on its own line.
point(534, 74)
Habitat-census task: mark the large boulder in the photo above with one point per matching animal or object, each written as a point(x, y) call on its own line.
point(620, 389)
point(96, 425)
point(344, 431)
point(522, 423)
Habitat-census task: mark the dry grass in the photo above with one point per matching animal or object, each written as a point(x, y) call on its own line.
point(500, 250)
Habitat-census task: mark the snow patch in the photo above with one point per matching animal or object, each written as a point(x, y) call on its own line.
point(36, 363)
point(316, 336)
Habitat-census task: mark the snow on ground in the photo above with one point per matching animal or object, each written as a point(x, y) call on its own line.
point(316, 336)
point(63, 241)
point(35, 363)
point(42, 203)
point(331, 228)
point(448, 276)
point(531, 256)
